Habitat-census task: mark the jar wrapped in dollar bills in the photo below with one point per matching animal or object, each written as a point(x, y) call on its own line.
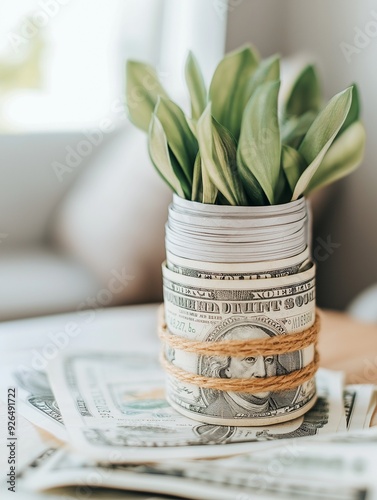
point(240, 324)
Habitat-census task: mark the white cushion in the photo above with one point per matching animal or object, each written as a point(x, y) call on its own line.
point(37, 281)
point(364, 306)
point(113, 218)
point(29, 187)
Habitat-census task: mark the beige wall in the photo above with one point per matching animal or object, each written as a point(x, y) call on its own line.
point(319, 28)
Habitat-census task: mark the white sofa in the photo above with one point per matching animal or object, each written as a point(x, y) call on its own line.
point(95, 234)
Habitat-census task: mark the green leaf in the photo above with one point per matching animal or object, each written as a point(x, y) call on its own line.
point(196, 86)
point(192, 124)
point(305, 94)
point(197, 184)
point(210, 191)
point(159, 153)
point(344, 156)
point(354, 112)
point(219, 158)
point(283, 192)
point(294, 129)
point(228, 86)
point(293, 165)
point(252, 188)
point(225, 155)
point(180, 138)
point(267, 71)
point(320, 136)
point(142, 91)
point(259, 145)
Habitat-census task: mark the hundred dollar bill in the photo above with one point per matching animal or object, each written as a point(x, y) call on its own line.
point(344, 474)
point(29, 442)
point(359, 405)
point(35, 399)
point(371, 413)
point(220, 310)
point(366, 436)
point(237, 234)
point(218, 251)
point(237, 271)
point(227, 211)
point(249, 241)
point(39, 406)
point(115, 410)
point(37, 402)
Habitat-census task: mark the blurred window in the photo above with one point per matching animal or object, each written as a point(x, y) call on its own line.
point(62, 61)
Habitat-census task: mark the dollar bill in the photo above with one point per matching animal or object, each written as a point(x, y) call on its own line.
point(359, 401)
point(226, 211)
point(371, 410)
point(237, 234)
point(217, 310)
point(233, 231)
point(359, 405)
point(212, 252)
point(30, 442)
point(34, 448)
point(237, 271)
point(35, 399)
point(356, 438)
point(32, 385)
point(271, 474)
point(115, 410)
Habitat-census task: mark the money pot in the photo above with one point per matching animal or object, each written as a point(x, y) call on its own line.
point(239, 275)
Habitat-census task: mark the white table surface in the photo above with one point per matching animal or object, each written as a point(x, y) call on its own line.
point(101, 328)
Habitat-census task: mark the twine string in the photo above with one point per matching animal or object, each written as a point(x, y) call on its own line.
point(252, 385)
point(270, 346)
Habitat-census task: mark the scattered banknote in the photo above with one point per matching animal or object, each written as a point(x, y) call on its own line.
point(33, 386)
point(308, 472)
point(35, 399)
point(115, 410)
point(356, 438)
point(359, 405)
point(31, 445)
point(334, 465)
point(368, 421)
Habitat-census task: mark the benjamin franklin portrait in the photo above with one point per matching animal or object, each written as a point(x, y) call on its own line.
point(235, 404)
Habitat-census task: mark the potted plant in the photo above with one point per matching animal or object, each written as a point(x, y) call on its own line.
point(240, 324)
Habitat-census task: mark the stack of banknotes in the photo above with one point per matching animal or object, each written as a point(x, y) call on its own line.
point(228, 234)
point(238, 273)
point(109, 425)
